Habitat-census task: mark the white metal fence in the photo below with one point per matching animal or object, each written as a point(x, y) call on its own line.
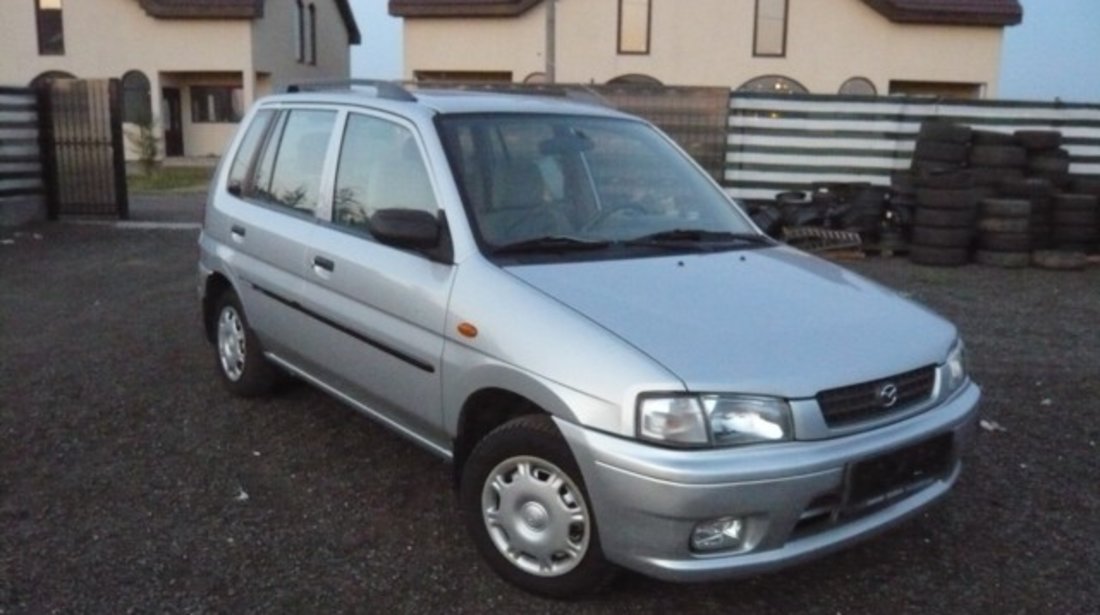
point(778, 143)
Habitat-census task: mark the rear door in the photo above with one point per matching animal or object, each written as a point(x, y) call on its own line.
point(267, 212)
point(384, 307)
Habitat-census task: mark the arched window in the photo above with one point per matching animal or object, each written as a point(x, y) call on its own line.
point(136, 105)
point(858, 86)
point(48, 76)
point(634, 79)
point(773, 84)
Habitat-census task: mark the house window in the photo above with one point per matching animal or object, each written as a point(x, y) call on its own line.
point(770, 37)
point(858, 86)
point(773, 84)
point(312, 34)
point(299, 31)
point(634, 22)
point(136, 105)
point(51, 32)
point(216, 103)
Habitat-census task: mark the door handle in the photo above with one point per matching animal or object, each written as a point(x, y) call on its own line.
point(237, 230)
point(321, 262)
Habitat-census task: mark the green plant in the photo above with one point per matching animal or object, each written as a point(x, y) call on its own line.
point(146, 143)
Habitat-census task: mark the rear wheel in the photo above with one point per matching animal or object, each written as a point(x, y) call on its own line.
point(240, 360)
point(526, 507)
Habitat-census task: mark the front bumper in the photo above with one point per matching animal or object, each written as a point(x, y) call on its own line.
point(648, 499)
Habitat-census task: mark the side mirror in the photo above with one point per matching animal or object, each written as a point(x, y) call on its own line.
point(406, 228)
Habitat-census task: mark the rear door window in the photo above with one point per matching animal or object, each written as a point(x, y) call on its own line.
point(289, 173)
point(246, 153)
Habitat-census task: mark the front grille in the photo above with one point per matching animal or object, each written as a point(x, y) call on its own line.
point(864, 401)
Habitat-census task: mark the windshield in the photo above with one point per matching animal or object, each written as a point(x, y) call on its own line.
point(555, 183)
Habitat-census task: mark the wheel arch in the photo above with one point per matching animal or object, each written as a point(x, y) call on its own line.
point(216, 284)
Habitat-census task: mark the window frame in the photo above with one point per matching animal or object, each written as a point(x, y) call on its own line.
point(311, 50)
point(202, 88)
point(648, 31)
point(39, 19)
point(756, 53)
point(299, 31)
point(327, 205)
point(128, 94)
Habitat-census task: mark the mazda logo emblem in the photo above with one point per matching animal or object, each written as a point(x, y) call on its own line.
point(888, 395)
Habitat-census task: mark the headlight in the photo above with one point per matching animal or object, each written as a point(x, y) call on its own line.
point(720, 420)
point(674, 420)
point(954, 369)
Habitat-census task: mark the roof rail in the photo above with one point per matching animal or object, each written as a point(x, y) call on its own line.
point(574, 92)
point(383, 89)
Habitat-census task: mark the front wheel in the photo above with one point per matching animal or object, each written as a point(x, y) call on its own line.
point(527, 509)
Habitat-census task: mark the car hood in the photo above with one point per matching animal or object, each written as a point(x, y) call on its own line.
point(770, 321)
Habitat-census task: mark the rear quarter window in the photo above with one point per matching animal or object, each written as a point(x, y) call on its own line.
point(246, 153)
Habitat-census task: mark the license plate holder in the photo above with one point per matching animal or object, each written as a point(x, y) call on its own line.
point(890, 476)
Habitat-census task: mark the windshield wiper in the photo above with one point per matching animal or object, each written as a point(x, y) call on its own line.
point(679, 237)
point(551, 243)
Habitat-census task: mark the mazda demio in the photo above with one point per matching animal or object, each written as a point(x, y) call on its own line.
point(624, 371)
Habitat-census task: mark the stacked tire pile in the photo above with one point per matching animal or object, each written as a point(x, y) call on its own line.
point(1039, 192)
point(1004, 233)
point(1075, 222)
point(995, 158)
point(946, 202)
point(1046, 159)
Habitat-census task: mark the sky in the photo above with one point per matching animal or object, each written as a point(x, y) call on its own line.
point(1054, 54)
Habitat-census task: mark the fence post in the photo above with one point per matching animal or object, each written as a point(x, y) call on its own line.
point(118, 148)
point(47, 152)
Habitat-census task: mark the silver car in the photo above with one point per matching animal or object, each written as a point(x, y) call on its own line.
point(624, 371)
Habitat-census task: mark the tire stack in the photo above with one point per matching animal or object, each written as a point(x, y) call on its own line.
point(946, 203)
point(1040, 193)
point(1089, 184)
point(1045, 156)
point(1004, 233)
point(1076, 218)
point(995, 157)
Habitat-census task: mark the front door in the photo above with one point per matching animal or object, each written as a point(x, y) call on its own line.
point(173, 121)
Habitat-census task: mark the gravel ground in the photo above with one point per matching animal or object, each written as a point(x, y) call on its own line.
point(131, 482)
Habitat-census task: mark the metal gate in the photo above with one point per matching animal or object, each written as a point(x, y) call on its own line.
point(81, 139)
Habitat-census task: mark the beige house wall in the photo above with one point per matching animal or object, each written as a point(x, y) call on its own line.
point(275, 52)
point(710, 42)
point(107, 38)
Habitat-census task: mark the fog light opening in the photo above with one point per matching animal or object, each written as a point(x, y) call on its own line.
point(718, 534)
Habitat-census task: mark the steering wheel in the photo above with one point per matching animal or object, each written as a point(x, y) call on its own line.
point(605, 214)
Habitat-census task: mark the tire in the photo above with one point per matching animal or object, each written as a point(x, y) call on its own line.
point(1004, 242)
point(1055, 162)
point(1086, 184)
point(951, 180)
point(993, 176)
point(938, 130)
point(990, 137)
point(1039, 139)
point(1075, 202)
point(238, 355)
point(1073, 235)
point(494, 476)
point(1004, 225)
point(1074, 217)
point(1025, 187)
point(938, 257)
point(936, 198)
point(1059, 260)
point(945, 218)
point(942, 237)
point(998, 156)
point(1004, 260)
point(934, 166)
point(1005, 208)
point(940, 151)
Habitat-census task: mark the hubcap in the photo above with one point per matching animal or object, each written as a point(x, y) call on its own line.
point(231, 343)
point(536, 516)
